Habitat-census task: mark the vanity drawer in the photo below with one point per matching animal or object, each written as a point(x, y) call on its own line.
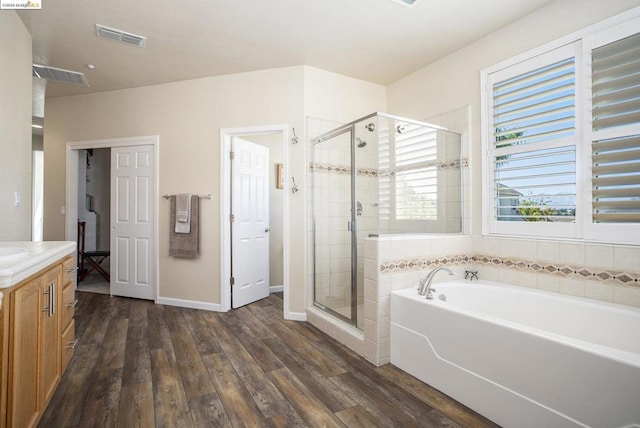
point(69, 344)
point(69, 302)
point(69, 269)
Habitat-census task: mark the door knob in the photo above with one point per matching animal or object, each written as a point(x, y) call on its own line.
point(266, 230)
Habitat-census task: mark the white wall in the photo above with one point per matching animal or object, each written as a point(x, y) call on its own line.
point(15, 127)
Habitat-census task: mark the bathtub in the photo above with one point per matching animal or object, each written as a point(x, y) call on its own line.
point(521, 357)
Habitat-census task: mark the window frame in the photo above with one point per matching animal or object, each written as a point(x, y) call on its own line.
point(583, 42)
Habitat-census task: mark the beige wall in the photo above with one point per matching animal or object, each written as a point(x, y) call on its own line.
point(15, 127)
point(454, 81)
point(187, 116)
point(339, 98)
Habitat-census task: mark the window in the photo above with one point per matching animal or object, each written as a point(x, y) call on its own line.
point(615, 149)
point(562, 139)
point(411, 178)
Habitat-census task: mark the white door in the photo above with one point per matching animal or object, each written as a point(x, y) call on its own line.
point(250, 225)
point(132, 222)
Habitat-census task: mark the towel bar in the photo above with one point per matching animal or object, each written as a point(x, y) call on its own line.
point(207, 196)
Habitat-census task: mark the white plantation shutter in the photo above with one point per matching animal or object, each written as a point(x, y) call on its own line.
point(408, 174)
point(616, 145)
point(535, 106)
point(416, 173)
point(533, 149)
point(616, 83)
point(384, 173)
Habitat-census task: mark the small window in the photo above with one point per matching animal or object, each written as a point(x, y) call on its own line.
point(411, 177)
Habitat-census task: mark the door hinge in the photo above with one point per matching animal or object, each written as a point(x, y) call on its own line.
point(232, 218)
point(232, 155)
point(232, 281)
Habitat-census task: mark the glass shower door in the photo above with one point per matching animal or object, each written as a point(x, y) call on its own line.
point(333, 223)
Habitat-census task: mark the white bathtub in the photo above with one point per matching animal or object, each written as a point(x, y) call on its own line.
point(520, 357)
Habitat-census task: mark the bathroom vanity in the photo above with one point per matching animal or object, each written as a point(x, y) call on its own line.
point(37, 331)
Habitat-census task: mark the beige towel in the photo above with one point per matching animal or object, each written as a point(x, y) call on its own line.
point(183, 213)
point(184, 245)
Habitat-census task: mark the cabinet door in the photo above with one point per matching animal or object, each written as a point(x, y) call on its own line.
point(28, 307)
point(50, 335)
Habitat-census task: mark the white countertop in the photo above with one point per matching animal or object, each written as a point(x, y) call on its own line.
point(38, 256)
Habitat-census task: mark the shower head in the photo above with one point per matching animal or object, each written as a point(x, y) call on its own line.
point(361, 143)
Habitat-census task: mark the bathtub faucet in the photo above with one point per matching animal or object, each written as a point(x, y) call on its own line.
point(425, 283)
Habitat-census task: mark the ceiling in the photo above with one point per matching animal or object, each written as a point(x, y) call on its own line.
point(374, 40)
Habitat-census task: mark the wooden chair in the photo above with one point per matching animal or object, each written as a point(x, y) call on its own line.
point(93, 258)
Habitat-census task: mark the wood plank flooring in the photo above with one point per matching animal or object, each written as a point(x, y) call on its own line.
point(143, 365)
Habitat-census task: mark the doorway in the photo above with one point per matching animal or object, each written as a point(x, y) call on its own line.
point(133, 200)
point(94, 209)
point(275, 138)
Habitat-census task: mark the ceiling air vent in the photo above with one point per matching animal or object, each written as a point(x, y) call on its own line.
point(121, 36)
point(407, 3)
point(59, 75)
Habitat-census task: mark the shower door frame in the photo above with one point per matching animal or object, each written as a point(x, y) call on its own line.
point(351, 225)
point(351, 127)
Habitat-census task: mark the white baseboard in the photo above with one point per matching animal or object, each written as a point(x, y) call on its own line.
point(295, 316)
point(276, 288)
point(192, 304)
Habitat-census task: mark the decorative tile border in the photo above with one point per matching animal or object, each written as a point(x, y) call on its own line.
point(631, 279)
point(341, 169)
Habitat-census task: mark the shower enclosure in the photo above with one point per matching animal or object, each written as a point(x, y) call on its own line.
point(378, 175)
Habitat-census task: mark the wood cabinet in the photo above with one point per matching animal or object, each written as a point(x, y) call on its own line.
point(37, 322)
point(68, 304)
point(23, 400)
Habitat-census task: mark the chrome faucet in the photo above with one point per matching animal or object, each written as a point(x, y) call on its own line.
point(425, 283)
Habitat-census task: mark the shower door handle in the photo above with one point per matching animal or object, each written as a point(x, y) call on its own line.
point(350, 225)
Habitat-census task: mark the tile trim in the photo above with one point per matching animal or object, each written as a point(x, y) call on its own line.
point(373, 172)
point(606, 276)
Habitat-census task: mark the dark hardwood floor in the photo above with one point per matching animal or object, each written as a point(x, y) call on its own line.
point(142, 365)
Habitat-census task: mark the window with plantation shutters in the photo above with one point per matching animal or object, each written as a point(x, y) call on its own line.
point(533, 140)
point(416, 174)
point(408, 178)
point(616, 143)
point(562, 138)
